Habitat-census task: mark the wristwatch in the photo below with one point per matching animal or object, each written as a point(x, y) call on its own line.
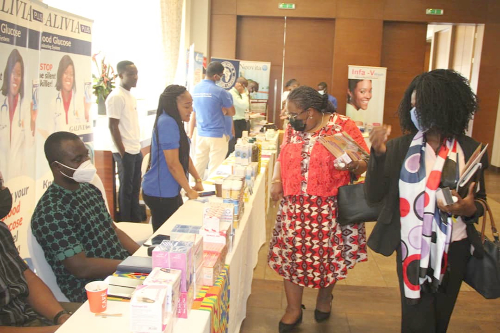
point(199, 180)
point(59, 314)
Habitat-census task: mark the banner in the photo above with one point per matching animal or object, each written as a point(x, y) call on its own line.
point(194, 68)
point(366, 95)
point(46, 87)
point(258, 71)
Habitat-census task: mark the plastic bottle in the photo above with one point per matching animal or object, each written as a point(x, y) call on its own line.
point(238, 149)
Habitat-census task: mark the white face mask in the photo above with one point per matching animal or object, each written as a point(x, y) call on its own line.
point(321, 92)
point(414, 119)
point(83, 174)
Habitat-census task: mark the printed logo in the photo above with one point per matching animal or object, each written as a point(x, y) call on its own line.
point(264, 67)
point(229, 77)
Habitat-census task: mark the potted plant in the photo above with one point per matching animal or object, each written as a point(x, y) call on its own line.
point(103, 82)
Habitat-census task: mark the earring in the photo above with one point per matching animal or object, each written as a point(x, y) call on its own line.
point(310, 117)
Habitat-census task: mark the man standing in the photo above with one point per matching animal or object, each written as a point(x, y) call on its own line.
point(71, 222)
point(323, 89)
point(211, 104)
point(121, 107)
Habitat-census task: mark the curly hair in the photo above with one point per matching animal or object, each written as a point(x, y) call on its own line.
point(444, 102)
point(306, 97)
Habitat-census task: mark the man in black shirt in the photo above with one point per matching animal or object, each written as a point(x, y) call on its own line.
point(25, 301)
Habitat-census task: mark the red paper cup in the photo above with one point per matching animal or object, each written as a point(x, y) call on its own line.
point(97, 294)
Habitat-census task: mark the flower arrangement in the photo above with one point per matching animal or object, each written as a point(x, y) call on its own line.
point(104, 82)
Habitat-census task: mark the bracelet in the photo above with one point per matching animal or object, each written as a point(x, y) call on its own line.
point(58, 315)
point(199, 180)
point(276, 181)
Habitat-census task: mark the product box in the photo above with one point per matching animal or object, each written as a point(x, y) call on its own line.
point(214, 257)
point(171, 279)
point(148, 312)
point(214, 213)
point(197, 240)
point(197, 280)
point(221, 237)
point(177, 255)
point(180, 229)
point(185, 303)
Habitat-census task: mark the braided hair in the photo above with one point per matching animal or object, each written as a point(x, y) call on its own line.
point(306, 97)
point(168, 104)
point(444, 102)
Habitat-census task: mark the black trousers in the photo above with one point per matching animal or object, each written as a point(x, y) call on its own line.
point(433, 312)
point(240, 125)
point(129, 172)
point(161, 208)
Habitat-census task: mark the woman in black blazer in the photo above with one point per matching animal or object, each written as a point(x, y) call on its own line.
point(432, 240)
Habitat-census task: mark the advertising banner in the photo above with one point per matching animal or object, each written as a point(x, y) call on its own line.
point(366, 95)
point(46, 87)
point(231, 72)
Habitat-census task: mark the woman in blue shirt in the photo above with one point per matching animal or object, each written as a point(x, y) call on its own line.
point(169, 162)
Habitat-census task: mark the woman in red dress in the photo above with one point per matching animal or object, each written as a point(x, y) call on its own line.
point(308, 248)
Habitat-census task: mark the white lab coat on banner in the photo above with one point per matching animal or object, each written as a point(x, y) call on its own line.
point(58, 121)
point(13, 147)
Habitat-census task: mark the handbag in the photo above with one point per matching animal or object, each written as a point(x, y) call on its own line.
point(484, 274)
point(352, 206)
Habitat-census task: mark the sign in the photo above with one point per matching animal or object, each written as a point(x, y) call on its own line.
point(433, 11)
point(286, 6)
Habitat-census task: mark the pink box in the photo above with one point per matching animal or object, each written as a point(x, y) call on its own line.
point(185, 303)
point(178, 255)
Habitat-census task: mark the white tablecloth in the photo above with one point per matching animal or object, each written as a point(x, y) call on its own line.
point(249, 237)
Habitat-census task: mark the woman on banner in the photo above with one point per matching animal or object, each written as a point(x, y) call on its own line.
point(169, 158)
point(359, 93)
point(17, 118)
point(308, 248)
point(432, 240)
point(66, 108)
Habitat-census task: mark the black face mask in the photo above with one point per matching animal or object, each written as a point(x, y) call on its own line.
point(297, 124)
point(5, 202)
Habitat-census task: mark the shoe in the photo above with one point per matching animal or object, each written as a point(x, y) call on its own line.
point(285, 328)
point(320, 316)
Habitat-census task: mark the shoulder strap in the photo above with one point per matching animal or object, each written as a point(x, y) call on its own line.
point(487, 210)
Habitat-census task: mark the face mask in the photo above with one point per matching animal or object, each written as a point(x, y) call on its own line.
point(84, 174)
point(5, 202)
point(414, 119)
point(297, 124)
point(321, 92)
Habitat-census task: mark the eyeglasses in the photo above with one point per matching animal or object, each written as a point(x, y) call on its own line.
point(294, 115)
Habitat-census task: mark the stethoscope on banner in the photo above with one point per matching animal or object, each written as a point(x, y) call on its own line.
point(59, 105)
point(5, 108)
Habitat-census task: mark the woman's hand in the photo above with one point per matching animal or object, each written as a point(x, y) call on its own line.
point(463, 207)
point(192, 194)
point(198, 187)
point(276, 191)
point(378, 138)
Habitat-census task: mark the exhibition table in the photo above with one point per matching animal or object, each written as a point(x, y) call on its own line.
point(242, 259)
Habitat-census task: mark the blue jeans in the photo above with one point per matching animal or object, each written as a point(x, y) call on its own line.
point(129, 172)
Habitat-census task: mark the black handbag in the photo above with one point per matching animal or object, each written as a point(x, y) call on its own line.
point(484, 274)
point(352, 206)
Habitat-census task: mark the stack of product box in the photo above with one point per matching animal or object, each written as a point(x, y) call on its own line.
point(214, 258)
point(180, 255)
point(218, 223)
point(154, 304)
point(233, 189)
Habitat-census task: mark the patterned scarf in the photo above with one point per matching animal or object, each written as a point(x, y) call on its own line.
point(425, 235)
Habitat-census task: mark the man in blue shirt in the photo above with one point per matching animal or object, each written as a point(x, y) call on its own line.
point(211, 104)
point(322, 89)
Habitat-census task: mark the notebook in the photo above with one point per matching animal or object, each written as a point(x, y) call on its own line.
point(136, 265)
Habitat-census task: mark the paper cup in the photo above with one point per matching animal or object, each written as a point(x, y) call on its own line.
point(97, 294)
point(218, 188)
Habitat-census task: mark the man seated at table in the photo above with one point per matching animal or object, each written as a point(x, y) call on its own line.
point(71, 222)
point(24, 299)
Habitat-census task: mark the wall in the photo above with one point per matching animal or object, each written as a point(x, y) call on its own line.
point(364, 28)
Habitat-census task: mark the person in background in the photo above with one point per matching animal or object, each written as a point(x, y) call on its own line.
point(121, 107)
point(169, 159)
point(71, 222)
point(359, 93)
point(308, 247)
point(253, 88)
point(434, 114)
point(241, 105)
point(211, 104)
point(26, 302)
point(289, 86)
point(323, 89)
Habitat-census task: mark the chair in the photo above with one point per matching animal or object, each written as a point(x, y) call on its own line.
point(139, 232)
point(42, 267)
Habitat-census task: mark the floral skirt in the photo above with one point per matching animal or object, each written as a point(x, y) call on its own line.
point(308, 247)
